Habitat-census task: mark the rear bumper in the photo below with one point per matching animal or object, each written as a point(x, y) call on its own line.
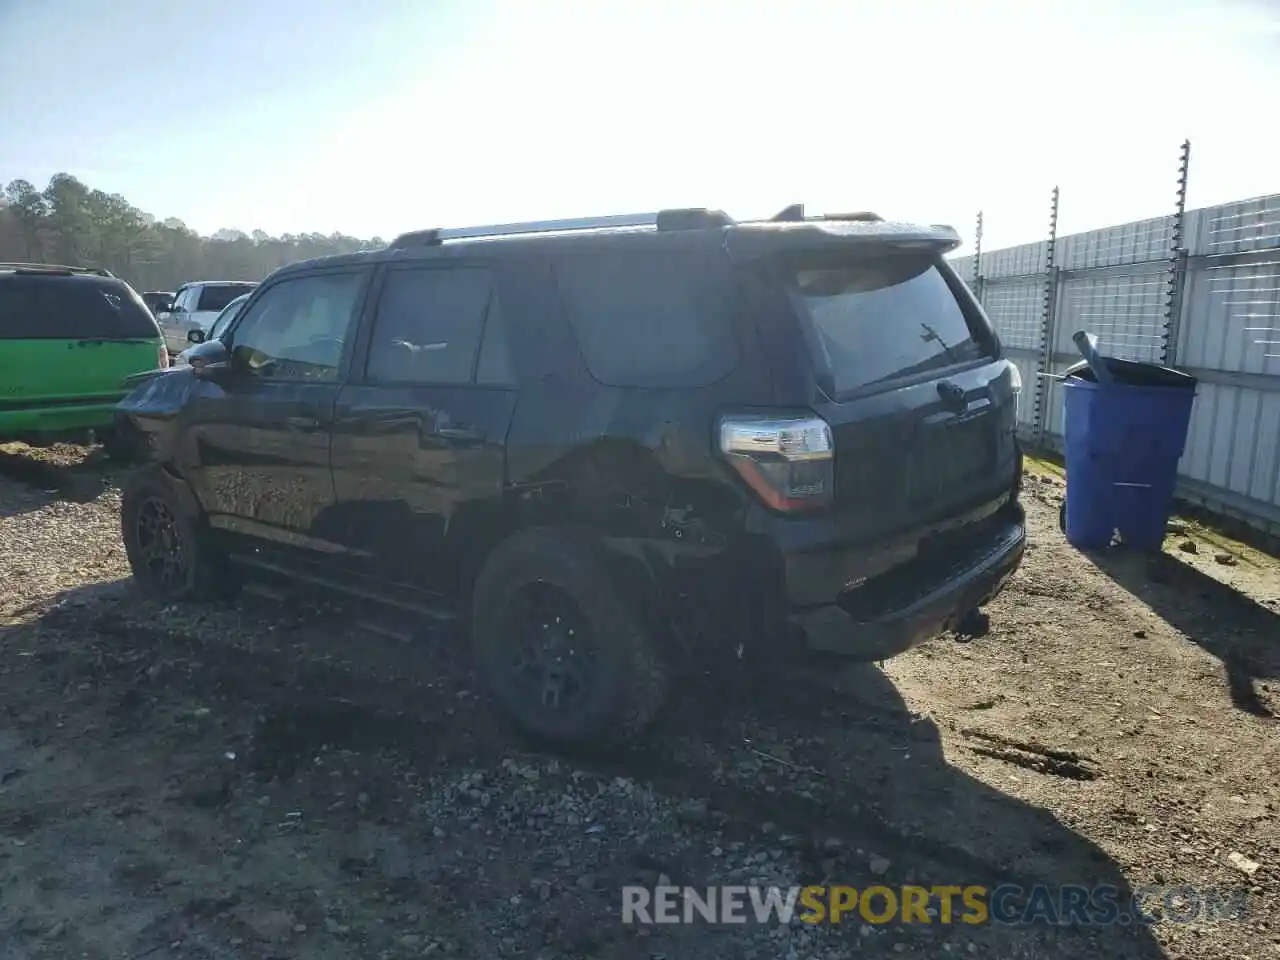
point(891, 613)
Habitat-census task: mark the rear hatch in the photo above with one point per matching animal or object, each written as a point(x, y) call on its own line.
point(68, 338)
point(890, 349)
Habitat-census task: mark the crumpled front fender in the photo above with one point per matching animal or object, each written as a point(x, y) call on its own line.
point(150, 410)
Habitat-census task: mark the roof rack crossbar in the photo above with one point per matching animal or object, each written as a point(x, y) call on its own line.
point(57, 268)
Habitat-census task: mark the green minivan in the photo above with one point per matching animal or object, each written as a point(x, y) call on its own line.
point(69, 339)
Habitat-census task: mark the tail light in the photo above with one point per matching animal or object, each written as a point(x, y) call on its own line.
point(788, 462)
point(163, 357)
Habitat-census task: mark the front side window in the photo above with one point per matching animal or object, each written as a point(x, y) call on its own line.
point(298, 328)
point(225, 317)
point(429, 325)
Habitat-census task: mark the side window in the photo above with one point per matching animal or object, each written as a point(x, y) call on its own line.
point(428, 325)
point(297, 329)
point(651, 318)
point(180, 299)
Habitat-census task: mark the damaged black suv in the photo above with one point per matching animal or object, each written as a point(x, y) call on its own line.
point(611, 446)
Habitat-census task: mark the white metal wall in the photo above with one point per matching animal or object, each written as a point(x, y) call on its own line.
point(1115, 282)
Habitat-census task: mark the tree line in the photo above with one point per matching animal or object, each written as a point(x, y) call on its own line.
point(70, 223)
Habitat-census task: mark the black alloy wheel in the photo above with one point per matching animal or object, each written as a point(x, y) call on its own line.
point(554, 658)
point(163, 546)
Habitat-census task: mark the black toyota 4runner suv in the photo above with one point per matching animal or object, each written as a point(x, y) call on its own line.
point(612, 445)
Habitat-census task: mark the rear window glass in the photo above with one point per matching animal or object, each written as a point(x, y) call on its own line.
point(215, 297)
point(71, 308)
point(882, 319)
point(650, 318)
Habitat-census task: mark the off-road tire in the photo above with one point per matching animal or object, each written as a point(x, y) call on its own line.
point(120, 445)
point(630, 684)
point(206, 574)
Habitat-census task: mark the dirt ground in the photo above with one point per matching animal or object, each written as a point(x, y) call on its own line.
point(271, 779)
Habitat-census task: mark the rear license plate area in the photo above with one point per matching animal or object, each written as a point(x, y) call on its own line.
point(949, 457)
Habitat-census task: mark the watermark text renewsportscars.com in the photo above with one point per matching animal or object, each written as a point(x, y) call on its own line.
point(1007, 904)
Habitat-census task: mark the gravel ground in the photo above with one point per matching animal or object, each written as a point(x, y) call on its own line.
point(275, 780)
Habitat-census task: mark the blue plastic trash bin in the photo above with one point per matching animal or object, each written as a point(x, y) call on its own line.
point(1124, 441)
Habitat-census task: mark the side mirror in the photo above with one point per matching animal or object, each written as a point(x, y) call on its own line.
point(209, 360)
point(195, 335)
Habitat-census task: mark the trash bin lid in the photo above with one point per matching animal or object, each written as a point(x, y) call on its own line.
point(1134, 373)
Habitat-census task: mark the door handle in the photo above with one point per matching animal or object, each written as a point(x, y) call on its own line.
point(305, 424)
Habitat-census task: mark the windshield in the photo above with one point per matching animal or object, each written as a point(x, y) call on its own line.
point(226, 316)
point(883, 318)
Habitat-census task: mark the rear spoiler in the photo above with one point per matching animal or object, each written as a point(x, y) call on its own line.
point(751, 241)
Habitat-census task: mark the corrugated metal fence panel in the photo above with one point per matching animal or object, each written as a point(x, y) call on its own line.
point(1234, 442)
point(1136, 242)
point(1026, 364)
point(963, 266)
point(1230, 335)
point(1015, 261)
point(1232, 318)
point(1115, 283)
point(1015, 308)
point(1125, 311)
point(1238, 227)
point(1053, 415)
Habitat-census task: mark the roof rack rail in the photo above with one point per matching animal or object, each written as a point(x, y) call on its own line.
point(56, 268)
point(692, 218)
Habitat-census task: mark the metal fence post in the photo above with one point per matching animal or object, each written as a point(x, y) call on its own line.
point(977, 259)
point(1044, 363)
point(1177, 265)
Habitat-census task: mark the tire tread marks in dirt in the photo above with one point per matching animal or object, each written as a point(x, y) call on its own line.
point(1058, 763)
